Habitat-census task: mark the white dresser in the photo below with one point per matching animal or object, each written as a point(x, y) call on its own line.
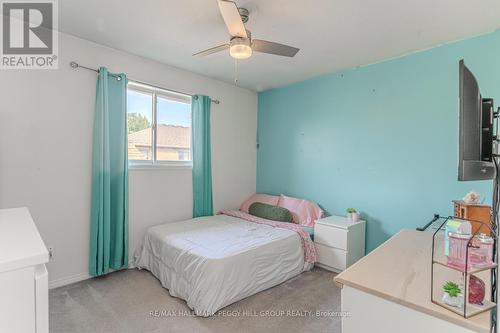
point(390, 291)
point(339, 242)
point(24, 300)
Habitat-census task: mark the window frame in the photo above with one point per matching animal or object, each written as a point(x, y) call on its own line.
point(166, 94)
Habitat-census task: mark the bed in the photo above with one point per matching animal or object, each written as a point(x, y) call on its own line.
point(214, 261)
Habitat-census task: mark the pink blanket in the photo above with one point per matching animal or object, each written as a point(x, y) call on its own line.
point(307, 243)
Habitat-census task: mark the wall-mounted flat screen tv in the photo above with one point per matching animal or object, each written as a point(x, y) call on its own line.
point(475, 159)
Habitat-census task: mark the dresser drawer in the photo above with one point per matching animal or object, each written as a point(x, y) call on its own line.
point(330, 236)
point(329, 256)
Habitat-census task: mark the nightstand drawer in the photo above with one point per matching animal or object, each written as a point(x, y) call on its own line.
point(330, 236)
point(329, 256)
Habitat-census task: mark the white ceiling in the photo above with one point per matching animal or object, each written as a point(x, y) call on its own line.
point(332, 34)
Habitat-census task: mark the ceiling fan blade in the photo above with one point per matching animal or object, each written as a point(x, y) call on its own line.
point(232, 18)
point(212, 50)
point(273, 48)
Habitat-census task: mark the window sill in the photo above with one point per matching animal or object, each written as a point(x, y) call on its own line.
point(160, 166)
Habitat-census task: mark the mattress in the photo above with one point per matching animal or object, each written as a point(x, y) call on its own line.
point(214, 261)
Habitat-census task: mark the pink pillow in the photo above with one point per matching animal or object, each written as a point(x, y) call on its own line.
point(303, 212)
point(257, 197)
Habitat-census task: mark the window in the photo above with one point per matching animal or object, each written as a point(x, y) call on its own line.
point(158, 125)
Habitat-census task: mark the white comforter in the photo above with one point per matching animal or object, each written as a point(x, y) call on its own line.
point(214, 261)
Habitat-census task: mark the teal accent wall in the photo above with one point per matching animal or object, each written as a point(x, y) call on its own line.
point(381, 138)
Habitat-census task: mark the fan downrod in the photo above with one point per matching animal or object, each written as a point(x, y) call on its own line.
point(244, 13)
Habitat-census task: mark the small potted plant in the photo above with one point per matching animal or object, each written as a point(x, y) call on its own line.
point(352, 214)
point(453, 295)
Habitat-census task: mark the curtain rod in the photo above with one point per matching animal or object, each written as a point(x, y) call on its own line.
point(75, 65)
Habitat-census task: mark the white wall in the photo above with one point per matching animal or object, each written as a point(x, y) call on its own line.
point(46, 119)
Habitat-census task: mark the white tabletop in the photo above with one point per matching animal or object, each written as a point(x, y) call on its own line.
point(20, 243)
point(399, 271)
point(338, 221)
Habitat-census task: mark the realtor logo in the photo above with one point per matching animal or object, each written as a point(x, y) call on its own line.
point(29, 35)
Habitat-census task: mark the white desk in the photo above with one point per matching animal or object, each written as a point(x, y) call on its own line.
point(389, 291)
point(23, 276)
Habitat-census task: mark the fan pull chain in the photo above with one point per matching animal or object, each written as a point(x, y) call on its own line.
point(235, 71)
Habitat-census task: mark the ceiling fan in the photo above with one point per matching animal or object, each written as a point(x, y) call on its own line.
point(241, 44)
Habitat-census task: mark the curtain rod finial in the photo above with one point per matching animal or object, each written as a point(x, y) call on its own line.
point(73, 64)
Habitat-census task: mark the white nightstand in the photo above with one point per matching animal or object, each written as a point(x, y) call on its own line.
point(339, 242)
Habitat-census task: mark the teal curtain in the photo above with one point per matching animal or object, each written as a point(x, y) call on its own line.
point(202, 159)
point(109, 211)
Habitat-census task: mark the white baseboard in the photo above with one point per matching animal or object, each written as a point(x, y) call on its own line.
point(75, 278)
point(68, 280)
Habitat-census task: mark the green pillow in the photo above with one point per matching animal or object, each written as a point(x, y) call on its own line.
point(270, 212)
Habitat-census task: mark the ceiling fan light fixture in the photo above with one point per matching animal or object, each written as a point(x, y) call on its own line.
point(240, 48)
point(242, 45)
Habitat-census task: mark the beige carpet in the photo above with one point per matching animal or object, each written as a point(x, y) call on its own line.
point(123, 302)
